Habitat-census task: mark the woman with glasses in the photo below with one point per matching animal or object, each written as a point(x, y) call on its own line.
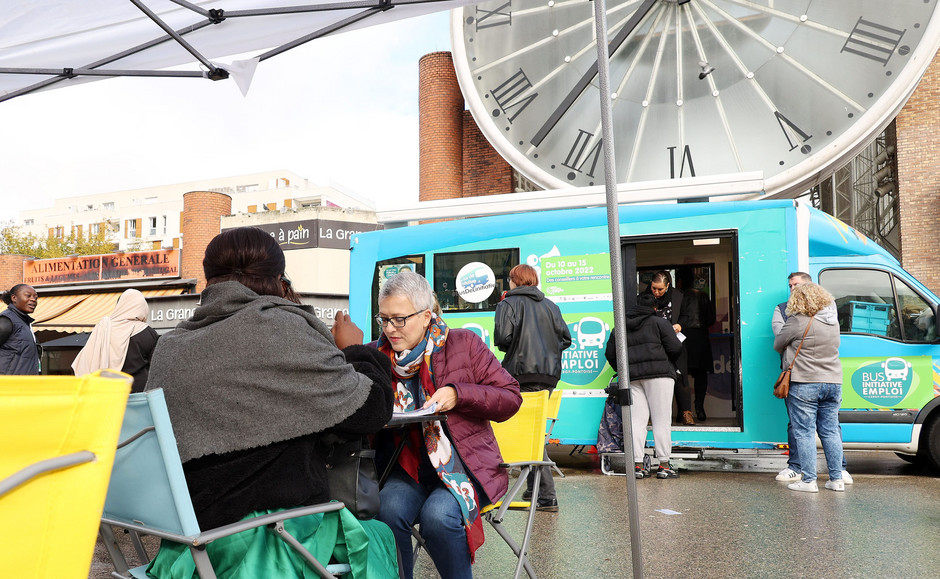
point(251, 381)
point(430, 484)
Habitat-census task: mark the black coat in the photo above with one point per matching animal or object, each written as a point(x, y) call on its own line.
point(652, 345)
point(139, 351)
point(699, 314)
point(530, 329)
point(226, 487)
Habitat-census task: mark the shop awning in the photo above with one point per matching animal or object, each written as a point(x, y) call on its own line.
point(74, 313)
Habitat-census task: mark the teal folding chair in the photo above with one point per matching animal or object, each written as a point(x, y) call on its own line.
point(148, 496)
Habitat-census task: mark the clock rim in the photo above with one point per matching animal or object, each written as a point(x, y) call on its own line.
point(790, 182)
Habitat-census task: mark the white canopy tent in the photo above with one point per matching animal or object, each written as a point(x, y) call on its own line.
point(48, 44)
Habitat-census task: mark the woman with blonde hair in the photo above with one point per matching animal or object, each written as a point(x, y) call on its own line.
point(815, 382)
point(121, 341)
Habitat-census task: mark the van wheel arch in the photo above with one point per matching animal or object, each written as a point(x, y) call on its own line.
point(928, 448)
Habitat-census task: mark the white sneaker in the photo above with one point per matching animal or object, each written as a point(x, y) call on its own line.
point(836, 485)
point(806, 487)
point(788, 475)
point(847, 478)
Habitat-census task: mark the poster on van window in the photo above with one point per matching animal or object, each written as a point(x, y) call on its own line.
point(888, 382)
point(577, 278)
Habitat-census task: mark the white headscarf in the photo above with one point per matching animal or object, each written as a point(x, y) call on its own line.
point(107, 344)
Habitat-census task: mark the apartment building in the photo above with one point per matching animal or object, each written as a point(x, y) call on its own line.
point(150, 218)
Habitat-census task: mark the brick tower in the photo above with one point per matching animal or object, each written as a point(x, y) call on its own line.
point(200, 221)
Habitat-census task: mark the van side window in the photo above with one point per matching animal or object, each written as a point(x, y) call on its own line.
point(473, 280)
point(864, 301)
point(918, 323)
point(878, 303)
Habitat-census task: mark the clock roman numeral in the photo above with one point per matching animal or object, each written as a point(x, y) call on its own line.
point(873, 41)
point(686, 156)
point(495, 17)
point(793, 128)
point(508, 96)
point(579, 155)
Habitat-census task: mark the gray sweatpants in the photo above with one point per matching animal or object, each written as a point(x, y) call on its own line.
point(652, 399)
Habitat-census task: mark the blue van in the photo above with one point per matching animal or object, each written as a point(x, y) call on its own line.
point(740, 254)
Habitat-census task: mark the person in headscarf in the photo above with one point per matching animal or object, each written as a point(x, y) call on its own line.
point(19, 354)
point(431, 484)
point(121, 341)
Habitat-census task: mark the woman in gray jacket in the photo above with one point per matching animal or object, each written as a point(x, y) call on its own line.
point(815, 383)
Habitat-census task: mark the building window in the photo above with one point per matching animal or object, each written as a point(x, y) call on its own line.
point(60, 231)
point(28, 222)
point(108, 206)
point(152, 226)
point(95, 228)
point(164, 226)
point(131, 228)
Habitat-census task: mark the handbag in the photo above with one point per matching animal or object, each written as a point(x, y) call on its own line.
point(350, 471)
point(782, 385)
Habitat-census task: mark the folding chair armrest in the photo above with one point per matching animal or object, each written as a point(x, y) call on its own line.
point(24, 475)
point(260, 521)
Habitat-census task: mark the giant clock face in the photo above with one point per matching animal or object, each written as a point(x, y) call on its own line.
point(792, 88)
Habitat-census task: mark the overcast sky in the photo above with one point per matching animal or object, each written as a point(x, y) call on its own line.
point(340, 110)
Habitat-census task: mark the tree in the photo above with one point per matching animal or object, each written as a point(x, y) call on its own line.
point(13, 240)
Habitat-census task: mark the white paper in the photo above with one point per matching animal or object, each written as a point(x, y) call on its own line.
point(419, 412)
point(668, 512)
point(681, 336)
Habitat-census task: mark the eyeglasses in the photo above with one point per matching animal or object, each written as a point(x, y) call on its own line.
point(397, 321)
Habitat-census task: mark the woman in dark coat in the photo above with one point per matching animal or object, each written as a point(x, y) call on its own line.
point(530, 329)
point(653, 349)
point(699, 316)
point(670, 305)
point(251, 380)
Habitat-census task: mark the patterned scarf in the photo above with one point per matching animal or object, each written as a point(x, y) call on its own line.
point(413, 375)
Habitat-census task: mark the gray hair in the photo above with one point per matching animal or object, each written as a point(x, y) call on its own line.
point(412, 286)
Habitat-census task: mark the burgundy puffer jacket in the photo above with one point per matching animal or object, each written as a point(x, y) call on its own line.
point(485, 392)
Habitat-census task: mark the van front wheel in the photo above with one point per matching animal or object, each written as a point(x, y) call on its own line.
point(929, 450)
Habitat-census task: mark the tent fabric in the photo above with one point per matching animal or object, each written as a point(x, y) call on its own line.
point(105, 35)
point(83, 311)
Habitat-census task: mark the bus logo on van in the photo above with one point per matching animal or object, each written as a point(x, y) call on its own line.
point(583, 361)
point(884, 383)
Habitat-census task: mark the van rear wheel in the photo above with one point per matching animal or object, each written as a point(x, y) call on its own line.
point(929, 450)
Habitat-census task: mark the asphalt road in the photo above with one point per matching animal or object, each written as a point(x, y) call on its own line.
point(716, 523)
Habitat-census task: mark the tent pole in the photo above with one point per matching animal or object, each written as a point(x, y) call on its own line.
point(214, 71)
point(616, 276)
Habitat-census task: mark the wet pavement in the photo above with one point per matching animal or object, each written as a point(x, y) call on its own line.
point(725, 524)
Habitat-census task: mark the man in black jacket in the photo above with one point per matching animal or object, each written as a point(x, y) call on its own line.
point(532, 333)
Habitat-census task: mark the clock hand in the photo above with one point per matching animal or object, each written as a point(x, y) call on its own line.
point(588, 77)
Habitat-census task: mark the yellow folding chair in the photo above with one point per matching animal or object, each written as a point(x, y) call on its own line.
point(554, 407)
point(59, 435)
point(521, 442)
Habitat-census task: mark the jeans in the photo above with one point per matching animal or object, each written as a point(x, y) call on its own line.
point(814, 408)
point(405, 502)
point(793, 458)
